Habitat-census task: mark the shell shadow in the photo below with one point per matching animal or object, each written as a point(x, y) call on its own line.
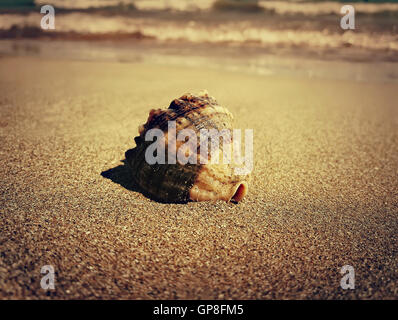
point(122, 175)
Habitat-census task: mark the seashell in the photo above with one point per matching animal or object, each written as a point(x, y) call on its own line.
point(200, 180)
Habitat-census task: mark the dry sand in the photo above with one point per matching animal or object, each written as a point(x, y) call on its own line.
point(323, 194)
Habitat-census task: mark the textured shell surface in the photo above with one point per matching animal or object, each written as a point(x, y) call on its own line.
point(177, 182)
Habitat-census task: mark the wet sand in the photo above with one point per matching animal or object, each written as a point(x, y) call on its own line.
point(324, 191)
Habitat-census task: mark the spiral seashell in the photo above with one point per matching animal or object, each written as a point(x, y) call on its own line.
point(201, 179)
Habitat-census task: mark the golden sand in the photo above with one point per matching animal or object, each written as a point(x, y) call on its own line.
point(323, 192)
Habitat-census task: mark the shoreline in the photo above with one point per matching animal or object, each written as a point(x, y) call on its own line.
point(223, 58)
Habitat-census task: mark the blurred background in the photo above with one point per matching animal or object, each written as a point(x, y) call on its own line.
point(265, 37)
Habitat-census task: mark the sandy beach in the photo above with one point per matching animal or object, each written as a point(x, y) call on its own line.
point(323, 194)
